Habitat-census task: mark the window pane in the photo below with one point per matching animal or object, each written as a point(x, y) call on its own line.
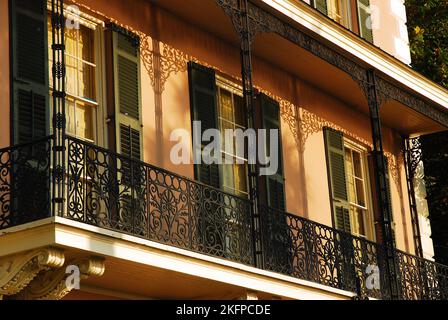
point(86, 76)
point(339, 10)
point(225, 125)
point(70, 114)
point(357, 221)
point(84, 121)
point(72, 76)
point(357, 165)
point(360, 193)
point(228, 177)
point(86, 44)
point(71, 38)
point(241, 178)
point(80, 79)
point(226, 110)
point(240, 114)
point(350, 178)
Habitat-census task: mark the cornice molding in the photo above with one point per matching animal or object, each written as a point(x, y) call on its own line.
point(17, 271)
point(52, 285)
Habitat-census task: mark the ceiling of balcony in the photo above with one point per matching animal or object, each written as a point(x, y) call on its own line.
point(275, 50)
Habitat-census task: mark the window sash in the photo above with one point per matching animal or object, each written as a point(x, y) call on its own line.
point(75, 99)
point(364, 228)
point(238, 187)
point(340, 11)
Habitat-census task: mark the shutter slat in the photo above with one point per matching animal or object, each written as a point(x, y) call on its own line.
point(128, 87)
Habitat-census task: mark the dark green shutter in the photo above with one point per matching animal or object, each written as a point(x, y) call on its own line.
point(321, 5)
point(130, 142)
point(30, 70)
point(203, 104)
point(275, 185)
point(334, 142)
point(364, 16)
point(127, 92)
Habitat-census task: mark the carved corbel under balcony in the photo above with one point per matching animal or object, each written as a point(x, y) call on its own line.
point(56, 284)
point(17, 271)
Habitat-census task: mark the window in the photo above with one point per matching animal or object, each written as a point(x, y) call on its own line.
point(358, 191)
point(231, 116)
point(339, 10)
point(349, 185)
point(352, 14)
point(81, 80)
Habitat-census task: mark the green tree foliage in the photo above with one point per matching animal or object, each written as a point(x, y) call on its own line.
point(428, 35)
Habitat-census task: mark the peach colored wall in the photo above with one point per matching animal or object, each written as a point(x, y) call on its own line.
point(390, 30)
point(4, 74)
point(306, 173)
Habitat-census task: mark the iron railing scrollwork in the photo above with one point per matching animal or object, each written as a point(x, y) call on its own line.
point(421, 279)
point(311, 251)
point(25, 174)
point(114, 192)
point(118, 193)
point(413, 161)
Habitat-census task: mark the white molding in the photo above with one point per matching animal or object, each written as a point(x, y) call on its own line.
point(61, 232)
point(104, 242)
point(307, 17)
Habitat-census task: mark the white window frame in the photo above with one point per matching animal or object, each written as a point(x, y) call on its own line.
point(235, 89)
point(346, 9)
point(99, 116)
point(369, 219)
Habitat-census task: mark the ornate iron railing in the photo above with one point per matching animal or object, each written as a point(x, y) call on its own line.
point(115, 192)
point(25, 179)
point(311, 251)
point(421, 279)
point(112, 191)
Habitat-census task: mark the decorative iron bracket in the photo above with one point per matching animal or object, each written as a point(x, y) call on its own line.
point(413, 158)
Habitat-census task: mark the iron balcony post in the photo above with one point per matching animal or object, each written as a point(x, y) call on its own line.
point(243, 30)
point(58, 73)
point(381, 184)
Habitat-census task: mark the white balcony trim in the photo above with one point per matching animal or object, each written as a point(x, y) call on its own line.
point(66, 233)
point(306, 16)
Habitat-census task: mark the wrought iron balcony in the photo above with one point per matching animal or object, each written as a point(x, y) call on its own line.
point(111, 191)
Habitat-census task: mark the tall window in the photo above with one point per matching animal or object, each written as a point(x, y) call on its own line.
point(352, 14)
point(349, 185)
point(358, 195)
point(231, 115)
point(81, 71)
point(340, 11)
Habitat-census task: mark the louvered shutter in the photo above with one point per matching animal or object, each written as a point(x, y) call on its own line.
point(278, 249)
point(321, 5)
point(334, 142)
point(127, 93)
point(270, 110)
point(365, 22)
point(30, 70)
point(204, 109)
